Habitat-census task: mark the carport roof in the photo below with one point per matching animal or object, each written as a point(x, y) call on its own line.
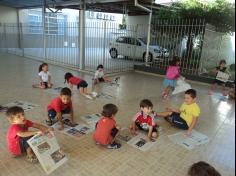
point(110, 6)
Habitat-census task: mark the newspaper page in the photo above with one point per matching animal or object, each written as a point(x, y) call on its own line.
point(124, 135)
point(23, 104)
point(141, 142)
point(221, 76)
point(189, 142)
point(48, 152)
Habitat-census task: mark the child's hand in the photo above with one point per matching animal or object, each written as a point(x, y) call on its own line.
point(169, 109)
point(189, 133)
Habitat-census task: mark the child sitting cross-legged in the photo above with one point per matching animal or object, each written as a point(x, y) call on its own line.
point(18, 133)
point(106, 128)
point(144, 120)
point(186, 117)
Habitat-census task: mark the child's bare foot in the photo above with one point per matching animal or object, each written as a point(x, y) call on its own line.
point(32, 159)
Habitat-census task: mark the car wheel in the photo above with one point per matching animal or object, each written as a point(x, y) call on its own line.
point(113, 53)
point(150, 57)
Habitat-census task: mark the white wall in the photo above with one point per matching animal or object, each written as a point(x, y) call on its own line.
point(141, 22)
point(8, 15)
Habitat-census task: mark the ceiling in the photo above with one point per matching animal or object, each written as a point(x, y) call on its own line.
point(110, 6)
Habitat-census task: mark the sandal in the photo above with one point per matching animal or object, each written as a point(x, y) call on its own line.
point(32, 159)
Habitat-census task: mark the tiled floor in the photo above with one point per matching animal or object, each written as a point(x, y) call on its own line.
point(85, 158)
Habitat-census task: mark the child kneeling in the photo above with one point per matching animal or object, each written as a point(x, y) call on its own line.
point(106, 128)
point(144, 120)
point(18, 134)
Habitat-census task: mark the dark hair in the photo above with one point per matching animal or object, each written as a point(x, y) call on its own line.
point(41, 66)
point(145, 104)
point(202, 168)
point(174, 61)
point(222, 62)
point(14, 110)
point(192, 93)
point(66, 91)
point(100, 66)
point(109, 110)
point(67, 77)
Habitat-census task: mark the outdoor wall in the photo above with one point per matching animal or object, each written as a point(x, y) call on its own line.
point(141, 22)
point(8, 15)
point(217, 46)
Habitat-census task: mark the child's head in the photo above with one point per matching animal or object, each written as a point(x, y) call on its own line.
point(15, 115)
point(175, 61)
point(202, 169)
point(68, 76)
point(43, 67)
point(190, 96)
point(100, 67)
point(146, 106)
point(65, 95)
point(222, 63)
point(109, 110)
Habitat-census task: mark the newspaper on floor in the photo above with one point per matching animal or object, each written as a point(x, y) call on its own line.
point(48, 151)
point(3, 109)
point(189, 142)
point(23, 104)
point(141, 142)
point(124, 135)
point(91, 119)
point(222, 76)
point(54, 90)
point(104, 96)
point(77, 130)
point(182, 86)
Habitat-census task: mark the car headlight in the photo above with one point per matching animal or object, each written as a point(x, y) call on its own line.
point(157, 51)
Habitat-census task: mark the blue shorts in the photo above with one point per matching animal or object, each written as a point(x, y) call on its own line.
point(52, 113)
point(168, 82)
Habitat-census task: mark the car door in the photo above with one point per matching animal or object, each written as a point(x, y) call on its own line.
point(131, 47)
point(138, 49)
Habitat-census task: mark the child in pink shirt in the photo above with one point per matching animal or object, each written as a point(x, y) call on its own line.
point(172, 74)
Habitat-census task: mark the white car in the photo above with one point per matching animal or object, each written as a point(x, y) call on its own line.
point(136, 48)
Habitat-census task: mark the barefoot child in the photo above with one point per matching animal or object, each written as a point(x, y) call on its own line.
point(76, 81)
point(186, 117)
point(60, 105)
point(44, 76)
point(144, 120)
point(106, 128)
point(18, 133)
point(99, 75)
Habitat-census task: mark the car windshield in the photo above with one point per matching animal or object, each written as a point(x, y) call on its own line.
point(144, 40)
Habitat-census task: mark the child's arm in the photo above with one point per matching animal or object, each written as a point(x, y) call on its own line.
point(49, 79)
point(150, 132)
point(40, 78)
point(173, 109)
point(133, 128)
point(72, 116)
point(27, 133)
point(194, 122)
point(42, 128)
point(71, 86)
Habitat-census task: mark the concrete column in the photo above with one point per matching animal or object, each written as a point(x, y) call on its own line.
point(82, 36)
point(44, 29)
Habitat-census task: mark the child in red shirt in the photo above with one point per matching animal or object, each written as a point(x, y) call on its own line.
point(60, 105)
point(144, 120)
point(106, 128)
point(80, 83)
point(18, 133)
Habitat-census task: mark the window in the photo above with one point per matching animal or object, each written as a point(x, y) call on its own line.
point(121, 40)
point(54, 24)
point(112, 18)
point(35, 24)
point(99, 15)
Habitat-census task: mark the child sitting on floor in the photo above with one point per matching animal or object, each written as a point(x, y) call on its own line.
point(186, 117)
point(106, 128)
point(44, 76)
point(144, 120)
point(220, 68)
point(60, 105)
point(18, 133)
point(76, 81)
point(99, 75)
point(202, 169)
